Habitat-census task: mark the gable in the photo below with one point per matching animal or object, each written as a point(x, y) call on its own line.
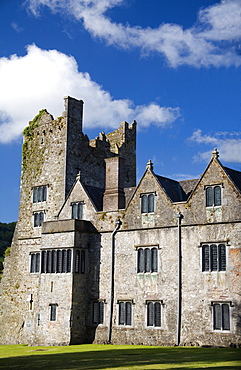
point(78, 194)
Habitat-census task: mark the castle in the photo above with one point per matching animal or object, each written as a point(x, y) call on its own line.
point(97, 258)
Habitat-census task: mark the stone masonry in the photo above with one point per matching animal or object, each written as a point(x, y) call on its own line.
point(97, 258)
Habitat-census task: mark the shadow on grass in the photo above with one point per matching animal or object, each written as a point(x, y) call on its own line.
point(138, 358)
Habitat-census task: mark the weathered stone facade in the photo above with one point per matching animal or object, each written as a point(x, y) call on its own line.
point(168, 273)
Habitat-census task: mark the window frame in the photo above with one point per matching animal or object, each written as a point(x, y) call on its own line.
point(148, 202)
point(98, 312)
point(221, 321)
point(214, 257)
point(56, 261)
point(53, 312)
point(40, 193)
point(212, 197)
point(35, 262)
point(38, 218)
point(125, 313)
point(156, 319)
point(80, 261)
point(147, 263)
point(79, 212)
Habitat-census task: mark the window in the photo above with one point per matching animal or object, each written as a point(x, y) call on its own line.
point(77, 210)
point(147, 203)
point(53, 311)
point(56, 261)
point(154, 314)
point(221, 316)
point(125, 313)
point(38, 218)
point(213, 196)
point(40, 193)
point(98, 312)
point(35, 262)
point(80, 261)
point(214, 257)
point(147, 259)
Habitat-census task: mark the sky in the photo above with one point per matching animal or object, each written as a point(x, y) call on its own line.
point(173, 66)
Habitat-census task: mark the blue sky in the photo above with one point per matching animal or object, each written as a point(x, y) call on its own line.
point(173, 66)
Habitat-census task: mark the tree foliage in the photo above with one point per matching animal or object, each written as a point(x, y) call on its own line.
point(6, 234)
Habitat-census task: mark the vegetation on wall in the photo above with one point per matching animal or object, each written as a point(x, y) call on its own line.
point(30, 148)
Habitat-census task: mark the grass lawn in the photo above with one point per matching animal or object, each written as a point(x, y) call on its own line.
point(90, 356)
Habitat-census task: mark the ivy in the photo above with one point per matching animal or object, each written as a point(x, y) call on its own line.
point(28, 133)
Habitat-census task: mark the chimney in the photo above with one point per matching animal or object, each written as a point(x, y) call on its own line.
point(114, 197)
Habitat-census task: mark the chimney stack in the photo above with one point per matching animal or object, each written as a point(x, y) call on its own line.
point(114, 197)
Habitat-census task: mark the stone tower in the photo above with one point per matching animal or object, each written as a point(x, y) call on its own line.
point(54, 151)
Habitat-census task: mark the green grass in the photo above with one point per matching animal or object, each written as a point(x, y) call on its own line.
point(97, 357)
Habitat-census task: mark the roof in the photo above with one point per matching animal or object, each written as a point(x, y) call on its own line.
point(235, 176)
point(188, 186)
point(96, 195)
point(173, 189)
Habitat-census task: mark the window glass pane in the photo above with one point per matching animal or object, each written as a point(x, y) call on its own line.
point(44, 193)
point(54, 261)
point(53, 309)
point(217, 316)
point(33, 261)
point(41, 218)
point(75, 210)
point(121, 313)
point(154, 259)
point(44, 262)
point(150, 314)
point(49, 261)
point(225, 316)
point(205, 258)
point(35, 195)
point(128, 313)
point(80, 211)
point(157, 310)
point(101, 312)
point(77, 261)
point(69, 260)
point(217, 196)
point(64, 260)
point(144, 204)
point(37, 266)
point(59, 261)
point(151, 203)
point(214, 257)
point(95, 316)
point(82, 267)
point(36, 220)
point(147, 260)
point(140, 260)
point(209, 197)
point(222, 257)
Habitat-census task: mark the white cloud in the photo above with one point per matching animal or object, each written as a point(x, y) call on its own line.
point(41, 79)
point(16, 27)
point(227, 143)
point(213, 40)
